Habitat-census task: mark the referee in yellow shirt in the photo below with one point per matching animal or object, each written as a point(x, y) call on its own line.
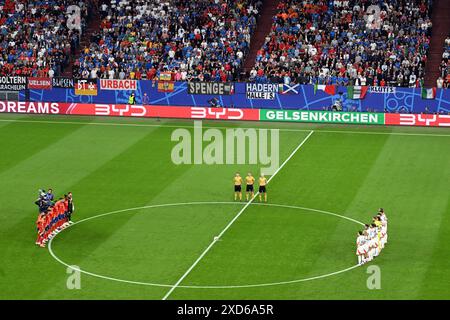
point(262, 188)
point(237, 186)
point(249, 180)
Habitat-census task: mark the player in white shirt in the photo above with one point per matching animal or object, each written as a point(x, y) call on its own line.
point(372, 240)
point(383, 236)
point(360, 248)
point(376, 240)
point(366, 245)
point(384, 222)
point(372, 245)
point(366, 234)
point(378, 237)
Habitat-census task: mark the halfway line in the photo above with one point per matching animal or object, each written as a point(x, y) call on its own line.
point(232, 221)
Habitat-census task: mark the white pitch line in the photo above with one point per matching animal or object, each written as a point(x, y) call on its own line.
point(221, 127)
point(232, 221)
point(204, 286)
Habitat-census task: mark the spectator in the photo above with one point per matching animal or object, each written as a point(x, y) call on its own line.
point(194, 40)
point(35, 39)
point(145, 99)
point(338, 42)
point(444, 67)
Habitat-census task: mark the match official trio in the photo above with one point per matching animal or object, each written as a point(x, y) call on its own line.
point(250, 181)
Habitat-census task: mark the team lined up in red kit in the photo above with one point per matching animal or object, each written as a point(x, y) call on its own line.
point(53, 216)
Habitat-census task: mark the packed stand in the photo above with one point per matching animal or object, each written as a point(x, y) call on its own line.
point(346, 42)
point(444, 78)
point(36, 37)
point(194, 40)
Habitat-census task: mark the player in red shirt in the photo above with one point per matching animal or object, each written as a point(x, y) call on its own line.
point(47, 219)
point(40, 224)
point(59, 211)
point(53, 215)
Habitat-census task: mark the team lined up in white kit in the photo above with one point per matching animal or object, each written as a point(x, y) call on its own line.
point(372, 239)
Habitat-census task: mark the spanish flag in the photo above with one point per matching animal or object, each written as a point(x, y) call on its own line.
point(166, 86)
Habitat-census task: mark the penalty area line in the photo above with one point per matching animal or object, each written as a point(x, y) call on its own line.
point(188, 271)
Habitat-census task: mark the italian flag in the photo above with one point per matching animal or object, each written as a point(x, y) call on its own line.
point(330, 89)
point(428, 93)
point(357, 92)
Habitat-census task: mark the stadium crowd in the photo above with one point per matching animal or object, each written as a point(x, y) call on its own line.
point(35, 38)
point(54, 215)
point(203, 40)
point(346, 42)
point(444, 78)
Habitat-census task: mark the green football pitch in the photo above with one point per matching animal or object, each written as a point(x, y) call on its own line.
point(147, 226)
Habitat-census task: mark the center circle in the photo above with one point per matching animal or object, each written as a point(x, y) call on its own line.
point(320, 276)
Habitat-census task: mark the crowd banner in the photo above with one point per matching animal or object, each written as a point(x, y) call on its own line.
point(199, 113)
point(210, 88)
point(113, 84)
point(40, 83)
point(86, 87)
point(13, 83)
point(63, 83)
point(244, 95)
